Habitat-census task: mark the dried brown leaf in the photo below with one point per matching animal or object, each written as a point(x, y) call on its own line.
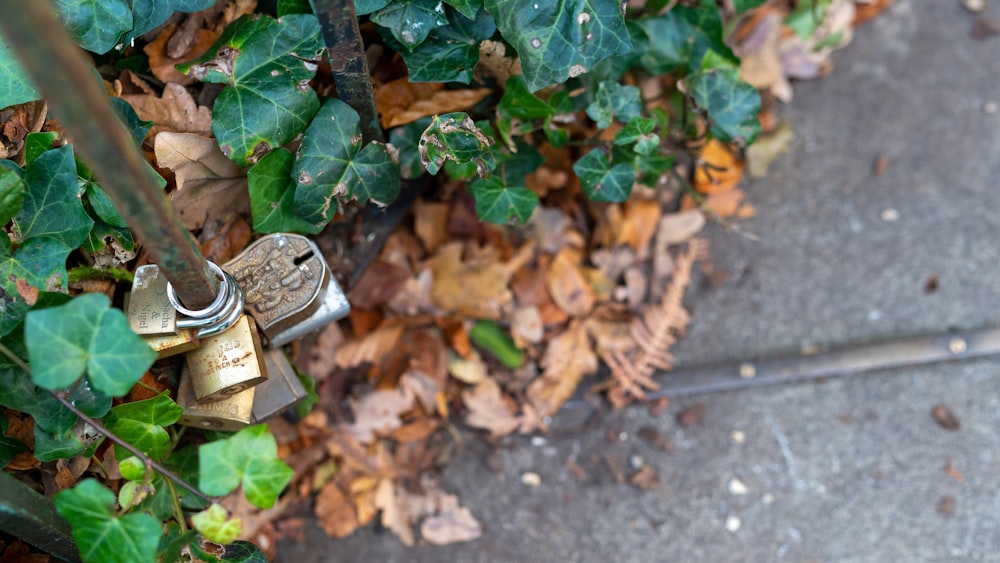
point(474, 287)
point(379, 412)
point(369, 349)
point(335, 513)
point(945, 418)
point(451, 524)
point(640, 222)
point(209, 186)
point(568, 286)
point(526, 326)
point(164, 66)
point(646, 478)
point(488, 409)
point(380, 282)
point(175, 111)
point(401, 101)
point(430, 223)
point(718, 169)
point(567, 359)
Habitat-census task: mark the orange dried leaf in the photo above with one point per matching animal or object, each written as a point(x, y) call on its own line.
point(476, 287)
point(401, 101)
point(568, 286)
point(335, 513)
point(567, 359)
point(639, 224)
point(430, 223)
point(371, 348)
point(164, 67)
point(718, 169)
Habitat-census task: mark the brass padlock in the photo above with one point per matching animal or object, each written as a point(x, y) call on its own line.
point(289, 288)
point(227, 363)
point(149, 311)
point(282, 390)
point(230, 414)
point(165, 345)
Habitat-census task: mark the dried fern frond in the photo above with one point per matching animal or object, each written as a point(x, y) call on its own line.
point(654, 333)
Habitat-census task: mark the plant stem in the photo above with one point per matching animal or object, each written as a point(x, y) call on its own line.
point(61, 397)
point(339, 23)
point(59, 69)
point(89, 272)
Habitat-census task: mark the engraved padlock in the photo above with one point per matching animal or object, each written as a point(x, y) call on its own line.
point(230, 414)
point(227, 363)
point(282, 390)
point(289, 288)
point(165, 345)
point(149, 311)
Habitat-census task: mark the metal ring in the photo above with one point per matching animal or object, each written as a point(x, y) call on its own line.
point(231, 319)
point(223, 312)
point(216, 306)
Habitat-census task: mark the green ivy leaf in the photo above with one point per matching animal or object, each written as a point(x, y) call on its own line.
point(101, 535)
point(242, 551)
point(602, 181)
point(249, 457)
point(15, 86)
point(306, 405)
point(468, 8)
point(668, 43)
point(96, 25)
point(639, 130)
point(131, 468)
point(85, 335)
point(268, 64)
point(732, 106)
point(39, 263)
point(411, 21)
point(406, 139)
point(11, 190)
point(455, 137)
point(141, 423)
point(519, 110)
point(9, 447)
point(365, 7)
point(497, 203)
point(451, 52)
point(272, 195)
point(148, 14)
point(36, 144)
point(333, 164)
point(52, 205)
point(50, 446)
point(103, 207)
point(560, 39)
point(214, 523)
point(173, 542)
point(614, 100)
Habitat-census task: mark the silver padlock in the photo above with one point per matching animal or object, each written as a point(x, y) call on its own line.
point(289, 288)
point(282, 390)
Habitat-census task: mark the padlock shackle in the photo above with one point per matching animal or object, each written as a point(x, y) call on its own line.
point(64, 76)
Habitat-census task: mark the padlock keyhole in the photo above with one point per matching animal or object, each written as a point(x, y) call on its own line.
point(300, 259)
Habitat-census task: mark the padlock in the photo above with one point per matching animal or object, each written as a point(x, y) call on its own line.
point(230, 414)
point(289, 288)
point(165, 345)
point(282, 390)
point(149, 311)
point(227, 363)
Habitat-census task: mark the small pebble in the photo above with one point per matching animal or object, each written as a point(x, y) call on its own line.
point(890, 215)
point(991, 107)
point(748, 371)
point(974, 5)
point(538, 441)
point(733, 523)
point(737, 436)
point(768, 498)
point(531, 479)
point(636, 461)
point(737, 487)
point(957, 345)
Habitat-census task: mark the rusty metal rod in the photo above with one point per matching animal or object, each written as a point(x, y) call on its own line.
point(65, 77)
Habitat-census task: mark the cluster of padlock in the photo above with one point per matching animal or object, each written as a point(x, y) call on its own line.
point(235, 373)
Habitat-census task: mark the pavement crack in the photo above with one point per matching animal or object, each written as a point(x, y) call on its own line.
point(786, 452)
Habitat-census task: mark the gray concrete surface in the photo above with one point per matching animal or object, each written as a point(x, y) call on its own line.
point(847, 470)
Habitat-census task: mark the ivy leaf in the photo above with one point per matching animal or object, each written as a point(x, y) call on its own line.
point(332, 164)
point(148, 14)
point(560, 39)
point(96, 25)
point(455, 137)
point(141, 423)
point(468, 8)
point(614, 100)
point(272, 195)
point(36, 144)
point(306, 405)
point(406, 139)
point(451, 52)
point(268, 64)
point(15, 86)
point(103, 207)
point(365, 7)
point(639, 130)
point(11, 190)
point(51, 446)
point(519, 109)
point(250, 458)
point(497, 203)
point(85, 335)
point(9, 447)
point(411, 21)
point(732, 106)
point(37, 265)
point(242, 551)
point(101, 535)
point(52, 205)
point(602, 181)
point(214, 523)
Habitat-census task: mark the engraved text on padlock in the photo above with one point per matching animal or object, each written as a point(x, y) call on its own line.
point(227, 363)
point(149, 311)
point(165, 345)
point(229, 414)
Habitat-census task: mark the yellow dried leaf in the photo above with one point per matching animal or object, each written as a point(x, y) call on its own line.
point(718, 169)
point(401, 101)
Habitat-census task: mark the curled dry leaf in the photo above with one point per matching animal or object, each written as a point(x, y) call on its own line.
point(718, 169)
point(175, 110)
point(209, 186)
point(401, 101)
point(568, 358)
point(335, 513)
point(494, 62)
point(488, 409)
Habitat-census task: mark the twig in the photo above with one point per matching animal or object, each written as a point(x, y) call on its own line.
point(61, 397)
